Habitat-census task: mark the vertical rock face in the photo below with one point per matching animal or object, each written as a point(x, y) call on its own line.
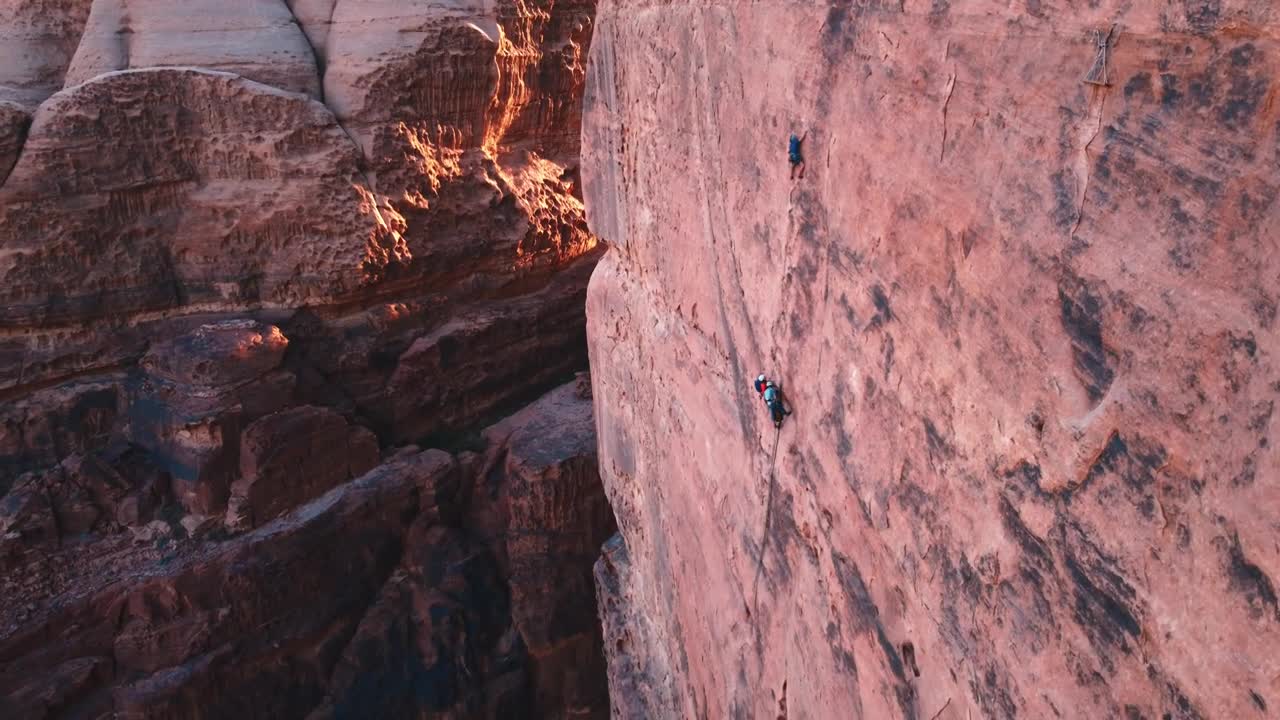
point(254, 256)
point(37, 41)
point(257, 39)
point(1027, 328)
point(543, 486)
point(215, 192)
point(13, 129)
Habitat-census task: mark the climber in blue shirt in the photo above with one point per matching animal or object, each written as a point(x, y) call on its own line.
point(794, 155)
point(773, 398)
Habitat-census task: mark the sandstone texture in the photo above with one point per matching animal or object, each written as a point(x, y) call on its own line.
point(261, 288)
point(278, 473)
point(13, 128)
point(430, 586)
point(552, 516)
point(225, 193)
point(257, 39)
point(1027, 325)
point(38, 38)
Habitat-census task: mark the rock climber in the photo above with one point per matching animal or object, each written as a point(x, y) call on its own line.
point(759, 385)
point(773, 398)
point(794, 155)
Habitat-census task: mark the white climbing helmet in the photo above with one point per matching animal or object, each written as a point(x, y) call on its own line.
point(761, 378)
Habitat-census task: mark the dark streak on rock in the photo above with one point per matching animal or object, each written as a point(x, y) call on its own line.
point(1105, 604)
point(1082, 319)
point(1170, 95)
point(884, 314)
point(993, 695)
point(866, 615)
point(1134, 461)
point(1027, 476)
point(1034, 549)
point(1202, 15)
point(1064, 199)
point(888, 356)
point(849, 315)
point(1139, 83)
point(938, 445)
point(1248, 579)
point(1245, 92)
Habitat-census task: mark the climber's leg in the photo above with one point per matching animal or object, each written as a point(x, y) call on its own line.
point(778, 412)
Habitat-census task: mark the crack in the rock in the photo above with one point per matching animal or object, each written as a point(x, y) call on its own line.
point(1084, 156)
point(315, 53)
point(951, 88)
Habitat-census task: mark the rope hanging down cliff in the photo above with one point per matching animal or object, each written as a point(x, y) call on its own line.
point(768, 516)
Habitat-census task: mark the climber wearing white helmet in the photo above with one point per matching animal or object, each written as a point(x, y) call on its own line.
point(772, 399)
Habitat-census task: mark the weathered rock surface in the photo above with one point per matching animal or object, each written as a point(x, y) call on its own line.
point(37, 40)
point(258, 39)
point(278, 472)
point(218, 193)
point(193, 399)
point(218, 306)
point(13, 130)
point(424, 588)
point(543, 484)
point(465, 368)
point(1027, 325)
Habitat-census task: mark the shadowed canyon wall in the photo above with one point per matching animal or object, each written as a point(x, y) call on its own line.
point(268, 269)
point(1027, 325)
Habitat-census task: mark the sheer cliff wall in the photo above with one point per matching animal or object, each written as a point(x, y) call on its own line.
point(1027, 325)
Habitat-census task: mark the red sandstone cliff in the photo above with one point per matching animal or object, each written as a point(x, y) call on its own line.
point(253, 255)
point(1028, 327)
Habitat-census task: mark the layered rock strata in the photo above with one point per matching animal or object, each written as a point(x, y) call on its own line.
point(245, 273)
point(431, 586)
point(1027, 326)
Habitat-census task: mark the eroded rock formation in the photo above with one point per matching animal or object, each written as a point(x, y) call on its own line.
point(257, 259)
point(430, 586)
point(257, 39)
point(37, 41)
point(1027, 326)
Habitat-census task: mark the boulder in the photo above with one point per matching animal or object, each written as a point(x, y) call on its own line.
point(292, 456)
point(197, 393)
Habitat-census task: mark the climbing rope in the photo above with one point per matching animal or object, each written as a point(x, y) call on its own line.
point(768, 514)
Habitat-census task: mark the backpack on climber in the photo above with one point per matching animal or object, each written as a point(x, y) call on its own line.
point(773, 399)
